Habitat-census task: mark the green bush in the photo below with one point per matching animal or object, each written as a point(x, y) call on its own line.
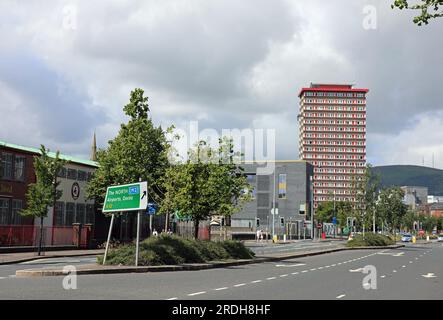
point(370, 240)
point(171, 250)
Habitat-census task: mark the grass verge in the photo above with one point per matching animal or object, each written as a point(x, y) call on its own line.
point(173, 250)
point(370, 240)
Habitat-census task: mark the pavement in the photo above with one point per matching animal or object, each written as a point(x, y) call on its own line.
point(411, 272)
point(11, 258)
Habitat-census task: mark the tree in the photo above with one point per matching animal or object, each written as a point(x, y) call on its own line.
point(140, 151)
point(325, 211)
point(208, 183)
point(424, 6)
point(43, 194)
point(391, 208)
point(364, 195)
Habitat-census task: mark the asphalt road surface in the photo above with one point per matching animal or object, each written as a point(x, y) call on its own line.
point(412, 272)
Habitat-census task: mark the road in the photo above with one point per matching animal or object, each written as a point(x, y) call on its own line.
point(413, 272)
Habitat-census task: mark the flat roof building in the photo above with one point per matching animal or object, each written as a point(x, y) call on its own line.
point(332, 125)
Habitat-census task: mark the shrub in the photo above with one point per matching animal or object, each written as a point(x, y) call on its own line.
point(370, 240)
point(170, 249)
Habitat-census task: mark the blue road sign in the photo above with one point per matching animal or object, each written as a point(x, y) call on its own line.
point(334, 220)
point(152, 208)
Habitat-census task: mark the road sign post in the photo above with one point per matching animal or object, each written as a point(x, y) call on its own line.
point(127, 197)
point(109, 238)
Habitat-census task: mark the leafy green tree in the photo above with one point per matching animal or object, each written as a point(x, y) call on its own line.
point(138, 152)
point(43, 194)
point(429, 9)
point(390, 207)
point(325, 211)
point(409, 218)
point(208, 183)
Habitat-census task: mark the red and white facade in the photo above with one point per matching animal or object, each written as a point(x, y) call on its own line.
point(332, 122)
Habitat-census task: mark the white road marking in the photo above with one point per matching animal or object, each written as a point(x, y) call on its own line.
point(341, 296)
point(333, 265)
point(2, 278)
point(196, 293)
point(290, 265)
point(219, 289)
point(403, 266)
point(175, 298)
point(356, 270)
point(410, 261)
point(304, 271)
point(313, 269)
point(294, 273)
point(383, 276)
point(416, 258)
point(271, 278)
point(240, 285)
point(327, 266)
point(394, 270)
point(429, 275)
point(12, 276)
point(283, 275)
point(256, 281)
point(319, 268)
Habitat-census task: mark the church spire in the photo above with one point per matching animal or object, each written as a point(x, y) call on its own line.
point(94, 149)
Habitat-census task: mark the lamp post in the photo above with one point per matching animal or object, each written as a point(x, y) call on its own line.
point(312, 207)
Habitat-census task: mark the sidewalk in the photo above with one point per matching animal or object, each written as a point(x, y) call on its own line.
point(10, 258)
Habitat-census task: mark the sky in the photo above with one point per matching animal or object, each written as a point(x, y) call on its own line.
point(67, 69)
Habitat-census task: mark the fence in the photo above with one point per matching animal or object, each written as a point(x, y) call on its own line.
point(186, 229)
point(22, 235)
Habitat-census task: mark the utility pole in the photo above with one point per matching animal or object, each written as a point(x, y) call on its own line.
point(273, 208)
point(312, 208)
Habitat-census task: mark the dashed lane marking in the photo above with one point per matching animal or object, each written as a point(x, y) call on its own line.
point(341, 296)
point(175, 298)
point(271, 278)
point(240, 285)
point(219, 289)
point(196, 293)
point(256, 281)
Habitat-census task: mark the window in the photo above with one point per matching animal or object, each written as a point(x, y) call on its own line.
point(90, 213)
point(17, 206)
point(62, 173)
point(72, 174)
point(19, 168)
point(6, 166)
point(80, 216)
point(90, 176)
point(282, 186)
point(4, 211)
point(82, 175)
point(70, 213)
point(59, 213)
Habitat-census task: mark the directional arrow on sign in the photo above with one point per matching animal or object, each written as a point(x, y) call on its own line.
point(429, 275)
point(144, 194)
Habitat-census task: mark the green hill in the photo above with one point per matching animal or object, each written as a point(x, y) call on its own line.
point(403, 175)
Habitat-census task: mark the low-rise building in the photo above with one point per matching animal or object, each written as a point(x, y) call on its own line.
point(289, 185)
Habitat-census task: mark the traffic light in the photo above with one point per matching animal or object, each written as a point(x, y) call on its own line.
point(257, 222)
point(282, 221)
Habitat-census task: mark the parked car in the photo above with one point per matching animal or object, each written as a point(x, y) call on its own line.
point(407, 237)
point(440, 237)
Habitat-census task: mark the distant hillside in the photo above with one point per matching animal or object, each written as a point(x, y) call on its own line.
point(412, 176)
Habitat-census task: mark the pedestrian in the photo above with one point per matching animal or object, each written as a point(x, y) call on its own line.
point(261, 235)
point(257, 236)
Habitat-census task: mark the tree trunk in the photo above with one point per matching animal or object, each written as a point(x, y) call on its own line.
point(41, 237)
point(196, 224)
